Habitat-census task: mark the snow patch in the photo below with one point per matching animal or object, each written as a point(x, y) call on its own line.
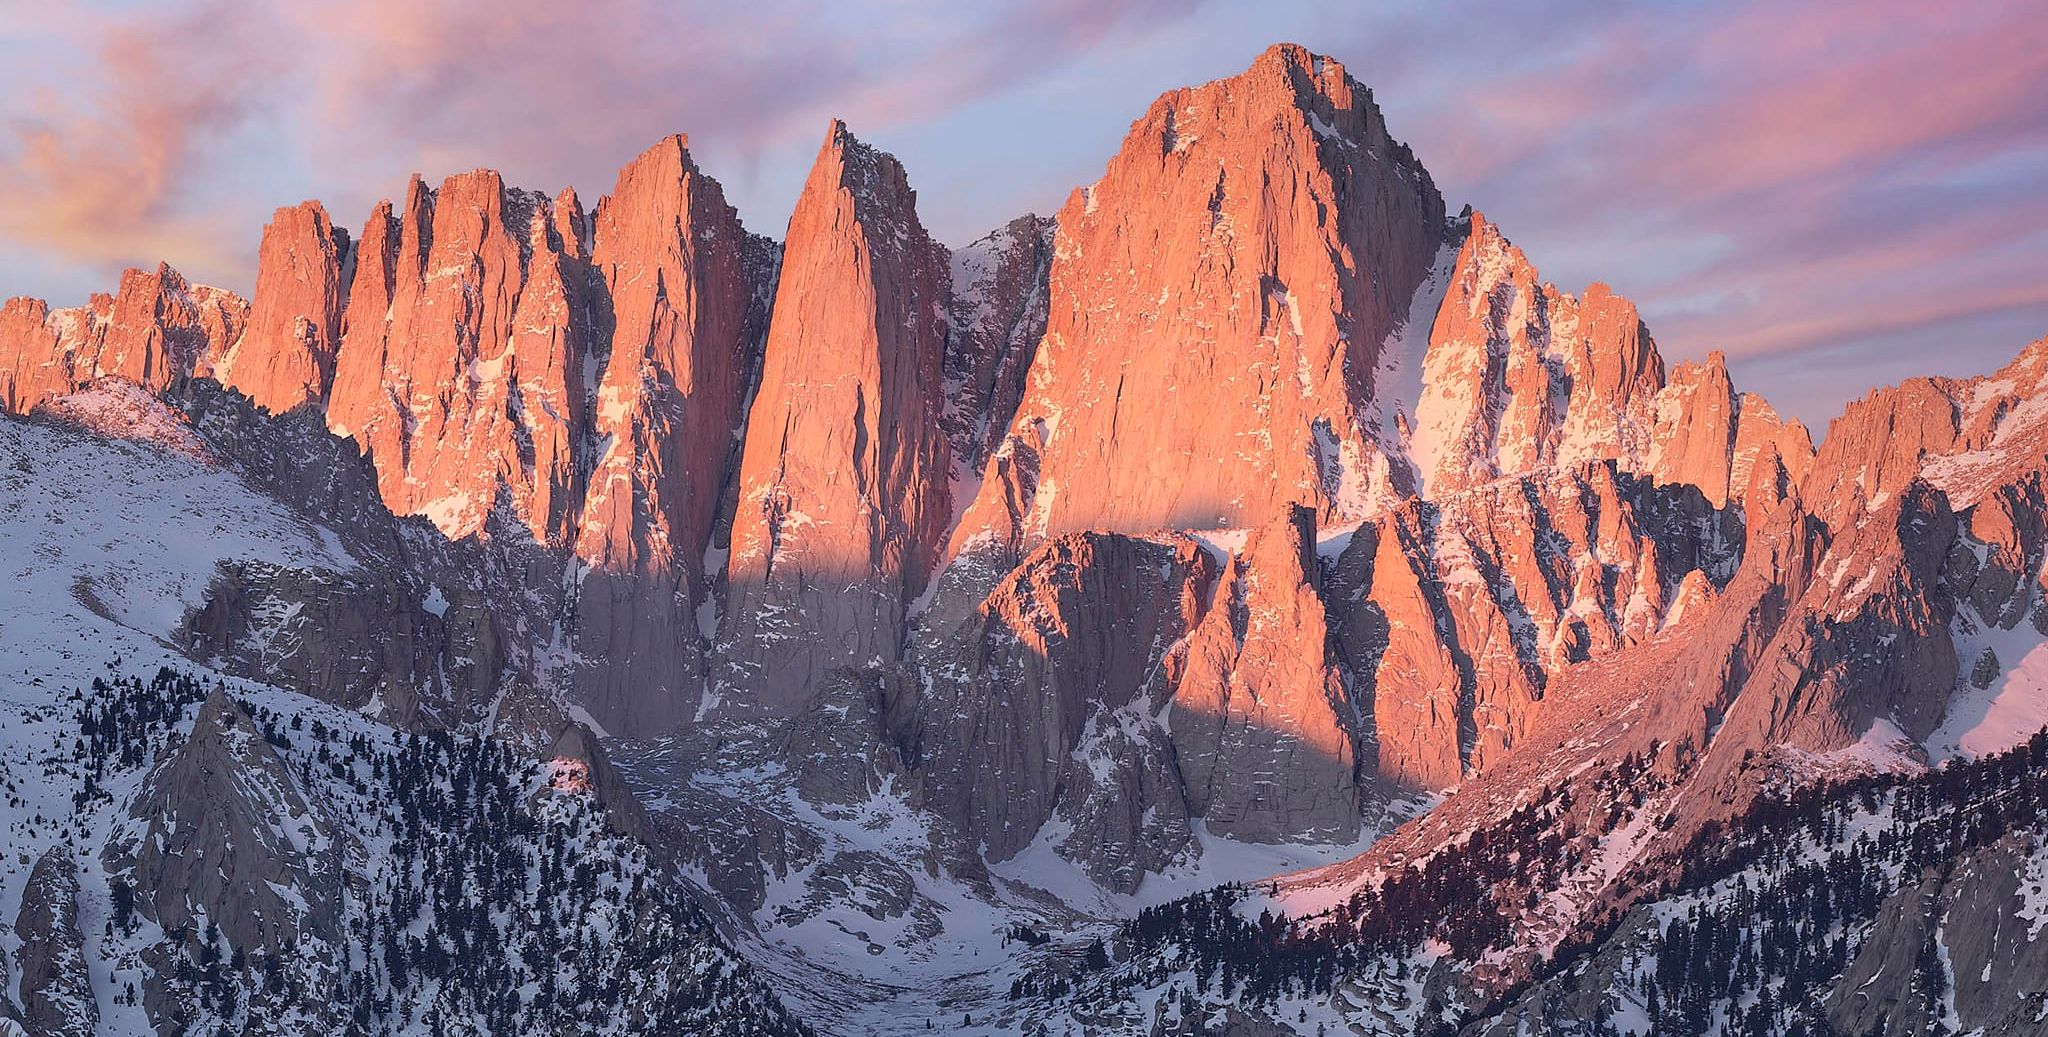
point(1989, 720)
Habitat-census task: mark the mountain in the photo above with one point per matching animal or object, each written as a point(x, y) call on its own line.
point(1249, 601)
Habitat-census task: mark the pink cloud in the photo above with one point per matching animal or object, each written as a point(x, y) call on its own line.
point(105, 178)
point(356, 95)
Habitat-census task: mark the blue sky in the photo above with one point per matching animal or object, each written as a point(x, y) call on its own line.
point(1836, 194)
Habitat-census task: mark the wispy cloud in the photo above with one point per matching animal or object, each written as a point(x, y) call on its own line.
point(348, 97)
point(97, 176)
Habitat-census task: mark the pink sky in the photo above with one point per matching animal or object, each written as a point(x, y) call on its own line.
point(1837, 194)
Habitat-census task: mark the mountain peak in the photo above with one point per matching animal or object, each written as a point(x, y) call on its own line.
point(1262, 229)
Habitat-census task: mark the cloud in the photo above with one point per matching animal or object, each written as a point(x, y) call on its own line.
point(99, 178)
point(344, 99)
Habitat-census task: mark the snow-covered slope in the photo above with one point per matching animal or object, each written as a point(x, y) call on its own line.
point(104, 545)
point(419, 884)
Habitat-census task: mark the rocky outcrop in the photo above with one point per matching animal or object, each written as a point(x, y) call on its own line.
point(364, 640)
point(843, 485)
point(1218, 301)
point(117, 409)
point(156, 330)
point(1868, 640)
point(1050, 697)
point(1706, 435)
point(228, 839)
point(285, 355)
point(1520, 376)
point(1455, 614)
point(57, 998)
point(1263, 725)
point(577, 765)
point(1967, 437)
point(1972, 924)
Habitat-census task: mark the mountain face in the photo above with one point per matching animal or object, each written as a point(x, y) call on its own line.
point(1222, 293)
point(1251, 600)
point(844, 485)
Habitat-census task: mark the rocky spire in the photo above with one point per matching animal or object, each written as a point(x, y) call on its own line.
point(672, 258)
point(431, 386)
point(681, 311)
point(285, 356)
point(56, 981)
point(843, 487)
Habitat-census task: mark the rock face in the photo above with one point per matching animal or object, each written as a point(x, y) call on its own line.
point(843, 487)
point(155, 330)
point(996, 317)
point(1454, 615)
point(1218, 301)
point(679, 280)
point(1048, 698)
point(57, 999)
point(1995, 967)
point(1262, 723)
point(363, 639)
point(230, 839)
point(286, 354)
point(1520, 376)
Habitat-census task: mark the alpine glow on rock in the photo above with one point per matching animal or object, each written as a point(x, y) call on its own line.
point(1247, 601)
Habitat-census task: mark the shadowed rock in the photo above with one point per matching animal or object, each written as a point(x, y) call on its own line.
point(56, 984)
